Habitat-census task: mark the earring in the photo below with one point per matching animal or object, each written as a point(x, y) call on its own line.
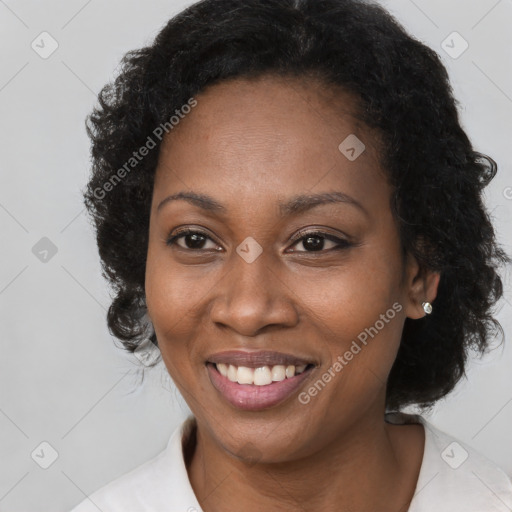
point(427, 307)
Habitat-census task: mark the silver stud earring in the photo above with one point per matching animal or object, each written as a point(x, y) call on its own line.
point(427, 307)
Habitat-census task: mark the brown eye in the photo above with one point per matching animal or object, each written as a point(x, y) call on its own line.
point(315, 242)
point(193, 240)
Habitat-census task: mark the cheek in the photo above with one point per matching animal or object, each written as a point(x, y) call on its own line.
point(353, 296)
point(169, 309)
point(359, 311)
point(170, 298)
point(173, 291)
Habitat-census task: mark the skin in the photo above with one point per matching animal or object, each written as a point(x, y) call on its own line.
point(249, 145)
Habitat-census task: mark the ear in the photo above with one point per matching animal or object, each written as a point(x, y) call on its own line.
point(420, 286)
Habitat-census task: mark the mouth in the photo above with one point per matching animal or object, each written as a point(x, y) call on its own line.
point(257, 380)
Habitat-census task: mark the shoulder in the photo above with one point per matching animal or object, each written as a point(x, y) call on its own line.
point(454, 476)
point(151, 487)
point(128, 492)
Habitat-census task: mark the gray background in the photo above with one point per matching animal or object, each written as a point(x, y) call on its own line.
point(63, 380)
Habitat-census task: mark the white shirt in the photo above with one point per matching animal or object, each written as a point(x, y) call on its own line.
point(453, 478)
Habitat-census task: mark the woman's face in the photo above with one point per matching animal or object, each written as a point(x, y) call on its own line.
point(251, 288)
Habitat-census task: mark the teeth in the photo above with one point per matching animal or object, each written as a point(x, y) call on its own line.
point(278, 373)
point(245, 375)
point(223, 369)
point(232, 373)
point(261, 376)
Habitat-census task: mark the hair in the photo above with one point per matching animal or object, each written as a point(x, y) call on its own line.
point(405, 96)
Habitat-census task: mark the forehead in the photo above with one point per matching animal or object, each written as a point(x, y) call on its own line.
point(257, 139)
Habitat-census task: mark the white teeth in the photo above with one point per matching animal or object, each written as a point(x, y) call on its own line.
point(223, 369)
point(278, 373)
point(261, 376)
point(232, 373)
point(245, 375)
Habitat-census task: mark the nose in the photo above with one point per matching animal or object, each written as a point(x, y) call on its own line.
point(252, 297)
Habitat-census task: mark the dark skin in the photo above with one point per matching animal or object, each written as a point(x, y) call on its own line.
point(249, 145)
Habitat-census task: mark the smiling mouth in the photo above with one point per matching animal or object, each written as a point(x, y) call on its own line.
point(257, 380)
point(259, 368)
point(260, 375)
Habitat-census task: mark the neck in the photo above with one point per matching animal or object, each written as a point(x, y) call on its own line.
point(370, 466)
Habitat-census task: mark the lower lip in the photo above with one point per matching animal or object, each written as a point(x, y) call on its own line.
point(250, 397)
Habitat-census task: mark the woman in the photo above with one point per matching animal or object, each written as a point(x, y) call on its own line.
point(288, 208)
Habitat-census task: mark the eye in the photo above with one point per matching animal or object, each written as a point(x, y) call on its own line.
point(314, 241)
point(193, 240)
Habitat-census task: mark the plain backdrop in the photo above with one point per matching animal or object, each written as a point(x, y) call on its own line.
point(64, 383)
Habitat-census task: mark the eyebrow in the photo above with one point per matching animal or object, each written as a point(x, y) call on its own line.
point(293, 206)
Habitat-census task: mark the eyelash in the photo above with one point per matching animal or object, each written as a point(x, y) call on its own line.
point(302, 235)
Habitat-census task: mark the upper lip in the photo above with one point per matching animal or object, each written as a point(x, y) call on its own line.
point(257, 358)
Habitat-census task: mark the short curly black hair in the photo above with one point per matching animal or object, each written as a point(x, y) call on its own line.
point(406, 97)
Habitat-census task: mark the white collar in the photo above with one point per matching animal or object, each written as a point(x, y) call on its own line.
point(162, 483)
point(474, 485)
